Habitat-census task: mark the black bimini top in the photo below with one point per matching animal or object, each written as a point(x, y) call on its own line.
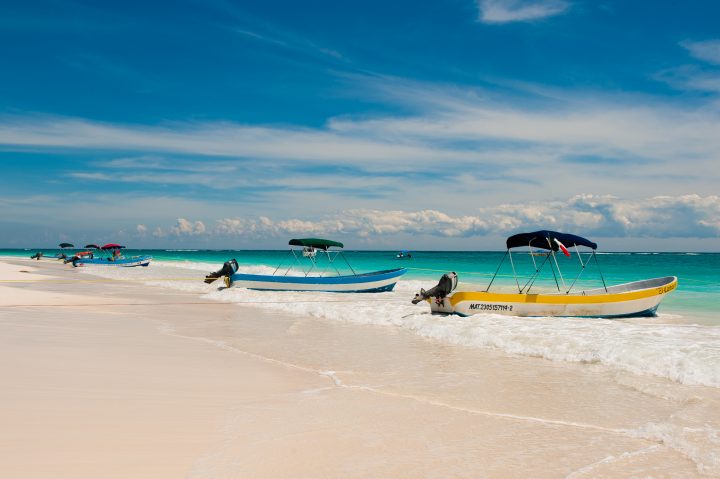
point(544, 240)
point(315, 243)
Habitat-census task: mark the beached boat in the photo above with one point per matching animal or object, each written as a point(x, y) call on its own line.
point(634, 299)
point(110, 256)
point(319, 258)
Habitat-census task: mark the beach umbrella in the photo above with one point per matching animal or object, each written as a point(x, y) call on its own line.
point(66, 245)
point(112, 246)
point(91, 246)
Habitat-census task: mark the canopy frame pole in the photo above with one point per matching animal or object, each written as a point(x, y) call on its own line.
point(582, 269)
point(562, 280)
point(552, 252)
point(327, 253)
point(497, 271)
point(331, 259)
point(347, 262)
point(514, 273)
point(532, 257)
point(281, 263)
point(293, 263)
point(601, 275)
point(531, 280)
point(313, 263)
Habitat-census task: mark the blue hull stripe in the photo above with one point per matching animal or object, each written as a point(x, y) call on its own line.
point(381, 289)
point(322, 280)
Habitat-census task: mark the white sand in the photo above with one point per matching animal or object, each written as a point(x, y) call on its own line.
point(158, 386)
point(17, 287)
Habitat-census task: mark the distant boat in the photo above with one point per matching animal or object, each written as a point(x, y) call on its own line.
point(309, 252)
point(635, 299)
point(404, 254)
point(110, 256)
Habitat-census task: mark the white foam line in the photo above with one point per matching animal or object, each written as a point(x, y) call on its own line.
point(333, 376)
point(480, 412)
point(611, 459)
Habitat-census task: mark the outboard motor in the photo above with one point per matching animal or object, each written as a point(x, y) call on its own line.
point(447, 285)
point(228, 269)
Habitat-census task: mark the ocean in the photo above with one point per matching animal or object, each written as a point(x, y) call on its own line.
point(681, 344)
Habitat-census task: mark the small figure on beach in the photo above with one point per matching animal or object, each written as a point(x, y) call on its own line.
point(37, 256)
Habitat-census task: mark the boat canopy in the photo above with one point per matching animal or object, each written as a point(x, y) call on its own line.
point(92, 246)
point(319, 243)
point(112, 246)
point(66, 245)
point(544, 240)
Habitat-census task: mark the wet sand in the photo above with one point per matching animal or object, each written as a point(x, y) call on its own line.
point(117, 379)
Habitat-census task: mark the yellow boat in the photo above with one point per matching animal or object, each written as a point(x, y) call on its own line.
point(635, 299)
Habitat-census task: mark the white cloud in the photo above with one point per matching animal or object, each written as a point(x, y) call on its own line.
point(141, 230)
point(707, 51)
point(691, 77)
point(185, 227)
point(212, 139)
point(505, 11)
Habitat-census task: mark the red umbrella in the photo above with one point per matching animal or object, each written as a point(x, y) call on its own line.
point(112, 246)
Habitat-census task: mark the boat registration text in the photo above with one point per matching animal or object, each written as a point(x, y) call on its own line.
point(491, 307)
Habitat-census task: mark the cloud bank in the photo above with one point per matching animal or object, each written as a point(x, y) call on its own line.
point(606, 216)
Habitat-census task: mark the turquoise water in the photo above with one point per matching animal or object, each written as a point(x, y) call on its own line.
point(697, 297)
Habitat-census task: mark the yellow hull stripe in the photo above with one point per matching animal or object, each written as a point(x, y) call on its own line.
point(559, 298)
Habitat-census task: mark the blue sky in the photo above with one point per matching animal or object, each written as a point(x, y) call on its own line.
point(437, 125)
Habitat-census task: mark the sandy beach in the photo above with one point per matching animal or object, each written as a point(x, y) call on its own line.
point(109, 379)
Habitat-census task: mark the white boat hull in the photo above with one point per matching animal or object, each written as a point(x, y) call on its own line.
point(375, 282)
point(123, 263)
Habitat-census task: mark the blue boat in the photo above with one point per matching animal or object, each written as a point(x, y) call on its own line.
point(312, 278)
point(112, 257)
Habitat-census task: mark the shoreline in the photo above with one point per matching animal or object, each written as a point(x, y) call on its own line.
point(243, 386)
